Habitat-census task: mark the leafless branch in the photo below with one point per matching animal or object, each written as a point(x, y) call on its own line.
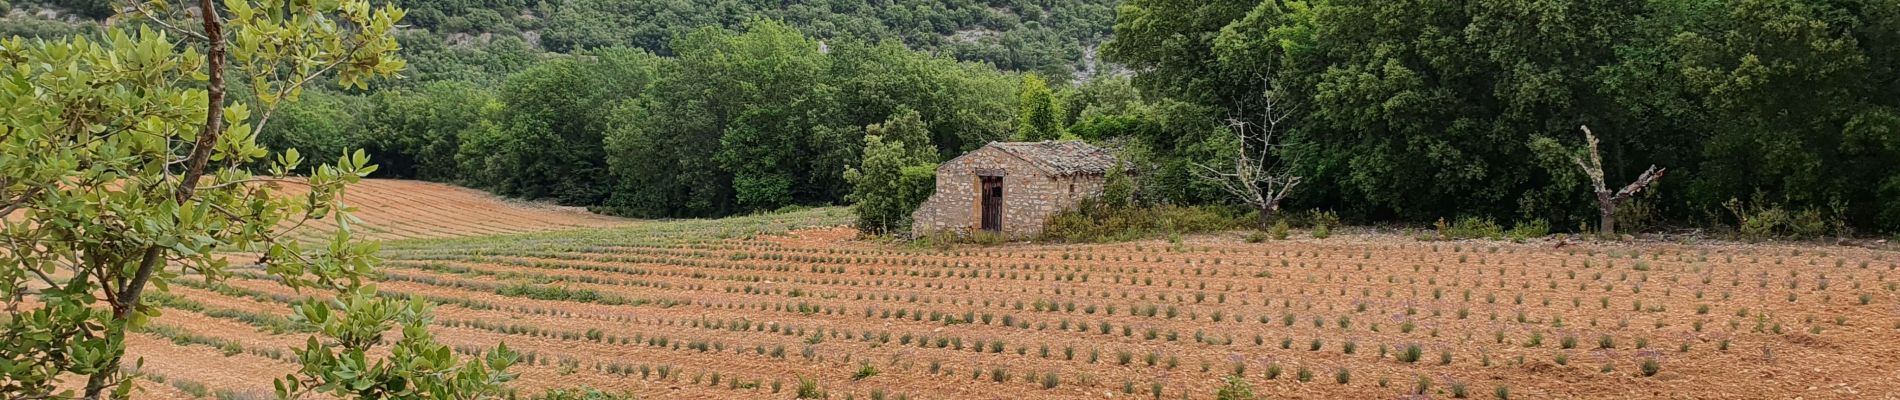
point(23, 199)
point(256, 180)
point(1257, 177)
point(139, 6)
point(1607, 201)
point(1649, 177)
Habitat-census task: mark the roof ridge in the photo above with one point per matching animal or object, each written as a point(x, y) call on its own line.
point(1060, 157)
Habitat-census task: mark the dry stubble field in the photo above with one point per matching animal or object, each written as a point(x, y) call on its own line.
point(744, 308)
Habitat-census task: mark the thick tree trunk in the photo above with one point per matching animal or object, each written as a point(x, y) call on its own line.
point(1265, 220)
point(1606, 208)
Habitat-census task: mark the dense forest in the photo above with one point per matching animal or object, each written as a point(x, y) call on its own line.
point(1775, 115)
point(1770, 114)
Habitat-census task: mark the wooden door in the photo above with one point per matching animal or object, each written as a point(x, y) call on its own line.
point(992, 203)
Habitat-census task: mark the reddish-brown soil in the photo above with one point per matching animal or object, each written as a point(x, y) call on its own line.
point(612, 309)
point(400, 209)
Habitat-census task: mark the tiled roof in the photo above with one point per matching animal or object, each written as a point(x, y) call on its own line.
point(1061, 157)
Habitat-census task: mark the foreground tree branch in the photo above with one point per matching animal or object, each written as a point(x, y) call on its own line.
point(122, 163)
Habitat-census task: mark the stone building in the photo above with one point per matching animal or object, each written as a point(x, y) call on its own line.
point(1011, 188)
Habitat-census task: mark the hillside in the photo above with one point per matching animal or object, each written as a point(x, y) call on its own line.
point(486, 39)
point(1045, 36)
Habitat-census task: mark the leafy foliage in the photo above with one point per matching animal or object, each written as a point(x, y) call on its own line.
point(418, 132)
point(1235, 388)
point(763, 119)
point(122, 168)
point(897, 174)
point(1039, 118)
point(416, 366)
point(548, 140)
point(1031, 36)
point(1419, 110)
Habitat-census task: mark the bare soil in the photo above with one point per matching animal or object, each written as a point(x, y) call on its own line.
point(729, 317)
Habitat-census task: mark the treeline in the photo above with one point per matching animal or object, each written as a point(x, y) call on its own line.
point(1771, 115)
point(1776, 116)
point(732, 122)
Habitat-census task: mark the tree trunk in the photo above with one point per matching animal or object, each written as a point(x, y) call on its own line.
point(1265, 219)
point(1606, 208)
point(96, 383)
point(153, 259)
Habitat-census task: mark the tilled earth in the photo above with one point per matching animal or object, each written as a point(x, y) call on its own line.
point(734, 309)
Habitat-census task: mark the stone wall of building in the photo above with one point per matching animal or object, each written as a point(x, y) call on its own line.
point(1030, 195)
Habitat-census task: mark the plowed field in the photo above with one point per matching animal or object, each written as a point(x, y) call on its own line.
point(397, 209)
point(744, 308)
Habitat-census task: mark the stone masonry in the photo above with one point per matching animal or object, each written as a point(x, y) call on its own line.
point(1039, 179)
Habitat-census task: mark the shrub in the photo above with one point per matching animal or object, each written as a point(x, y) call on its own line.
point(1344, 376)
point(1651, 366)
point(865, 370)
point(1760, 219)
point(808, 389)
point(582, 393)
point(1326, 219)
point(1094, 222)
point(1235, 389)
point(1322, 232)
point(1527, 230)
point(1411, 353)
point(1279, 230)
point(1473, 228)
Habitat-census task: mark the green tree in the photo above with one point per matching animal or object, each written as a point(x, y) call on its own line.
point(1102, 97)
point(897, 173)
point(124, 166)
point(1040, 117)
point(1172, 43)
point(1434, 122)
point(321, 122)
point(965, 105)
point(416, 133)
point(549, 142)
point(1794, 98)
point(736, 125)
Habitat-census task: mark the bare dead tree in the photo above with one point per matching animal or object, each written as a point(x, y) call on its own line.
point(1258, 176)
point(1608, 201)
